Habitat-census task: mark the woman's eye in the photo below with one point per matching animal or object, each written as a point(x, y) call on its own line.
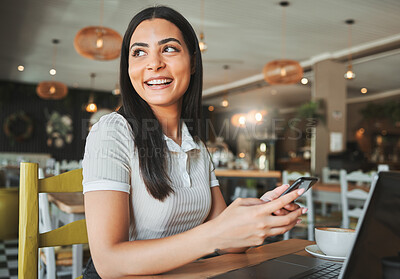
point(138, 52)
point(170, 49)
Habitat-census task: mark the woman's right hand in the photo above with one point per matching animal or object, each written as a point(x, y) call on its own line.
point(248, 221)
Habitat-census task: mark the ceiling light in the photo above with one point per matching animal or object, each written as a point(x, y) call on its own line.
point(21, 68)
point(242, 120)
point(304, 80)
point(349, 74)
point(225, 103)
point(98, 42)
point(283, 71)
point(91, 106)
point(364, 90)
point(258, 116)
point(53, 90)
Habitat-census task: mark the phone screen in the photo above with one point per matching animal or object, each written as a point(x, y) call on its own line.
point(301, 183)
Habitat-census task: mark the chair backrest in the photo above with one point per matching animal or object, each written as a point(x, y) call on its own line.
point(327, 174)
point(30, 240)
point(360, 194)
point(287, 177)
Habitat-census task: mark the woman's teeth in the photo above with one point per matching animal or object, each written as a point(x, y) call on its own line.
point(159, 81)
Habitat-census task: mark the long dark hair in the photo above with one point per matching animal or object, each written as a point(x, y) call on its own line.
point(149, 141)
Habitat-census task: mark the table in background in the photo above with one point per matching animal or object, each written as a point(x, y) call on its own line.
point(68, 207)
point(225, 263)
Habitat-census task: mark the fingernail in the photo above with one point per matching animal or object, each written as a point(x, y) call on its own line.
point(298, 221)
point(304, 210)
point(301, 191)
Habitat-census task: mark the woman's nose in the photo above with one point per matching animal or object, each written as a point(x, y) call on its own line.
point(155, 63)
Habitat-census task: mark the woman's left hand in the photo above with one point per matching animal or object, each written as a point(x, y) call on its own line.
point(274, 194)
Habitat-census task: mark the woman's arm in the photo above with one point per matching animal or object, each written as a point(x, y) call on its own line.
point(107, 219)
point(239, 225)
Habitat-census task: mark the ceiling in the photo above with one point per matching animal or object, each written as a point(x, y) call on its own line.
point(241, 34)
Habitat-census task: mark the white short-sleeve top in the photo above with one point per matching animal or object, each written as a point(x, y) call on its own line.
point(111, 162)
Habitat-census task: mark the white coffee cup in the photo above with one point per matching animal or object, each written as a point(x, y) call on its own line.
point(335, 242)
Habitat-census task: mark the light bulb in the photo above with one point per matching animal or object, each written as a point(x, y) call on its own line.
point(53, 72)
point(21, 68)
point(52, 89)
point(203, 46)
point(225, 103)
point(283, 72)
point(364, 90)
point(99, 42)
point(242, 120)
point(349, 75)
point(258, 116)
point(304, 80)
point(91, 107)
point(211, 108)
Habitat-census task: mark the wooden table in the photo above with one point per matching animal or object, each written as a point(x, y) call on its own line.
point(66, 208)
point(222, 264)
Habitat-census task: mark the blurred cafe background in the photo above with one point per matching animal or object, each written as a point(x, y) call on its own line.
point(310, 87)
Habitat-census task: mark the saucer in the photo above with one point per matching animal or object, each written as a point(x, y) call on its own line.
point(314, 250)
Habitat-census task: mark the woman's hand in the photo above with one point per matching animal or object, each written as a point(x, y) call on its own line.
point(247, 222)
point(274, 194)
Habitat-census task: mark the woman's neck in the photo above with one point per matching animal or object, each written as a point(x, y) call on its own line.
point(170, 123)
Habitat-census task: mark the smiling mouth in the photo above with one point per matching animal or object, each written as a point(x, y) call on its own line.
point(158, 82)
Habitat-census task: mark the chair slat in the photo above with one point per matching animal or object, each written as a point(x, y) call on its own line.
point(28, 221)
point(66, 182)
point(72, 233)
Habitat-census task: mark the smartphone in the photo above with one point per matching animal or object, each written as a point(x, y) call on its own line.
point(301, 183)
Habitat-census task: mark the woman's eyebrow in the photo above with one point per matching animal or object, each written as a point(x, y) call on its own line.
point(139, 44)
point(164, 41)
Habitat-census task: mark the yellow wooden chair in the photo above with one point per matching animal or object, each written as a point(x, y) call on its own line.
point(30, 240)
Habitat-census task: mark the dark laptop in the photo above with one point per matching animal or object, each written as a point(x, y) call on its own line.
point(377, 237)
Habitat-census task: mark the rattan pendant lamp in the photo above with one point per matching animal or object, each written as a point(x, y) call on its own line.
point(283, 71)
point(52, 90)
point(98, 42)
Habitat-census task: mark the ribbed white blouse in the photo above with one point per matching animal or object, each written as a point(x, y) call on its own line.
point(111, 163)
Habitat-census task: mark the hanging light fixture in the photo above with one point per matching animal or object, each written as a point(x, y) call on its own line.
point(283, 71)
point(91, 106)
point(98, 42)
point(349, 74)
point(202, 44)
point(52, 90)
point(225, 102)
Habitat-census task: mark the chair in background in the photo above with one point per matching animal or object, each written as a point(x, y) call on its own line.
point(330, 176)
point(353, 200)
point(288, 177)
point(30, 240)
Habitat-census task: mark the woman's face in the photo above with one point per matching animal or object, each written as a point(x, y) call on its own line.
point(159, 63)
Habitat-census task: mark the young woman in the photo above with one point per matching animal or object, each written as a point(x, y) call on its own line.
point(152, 200)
